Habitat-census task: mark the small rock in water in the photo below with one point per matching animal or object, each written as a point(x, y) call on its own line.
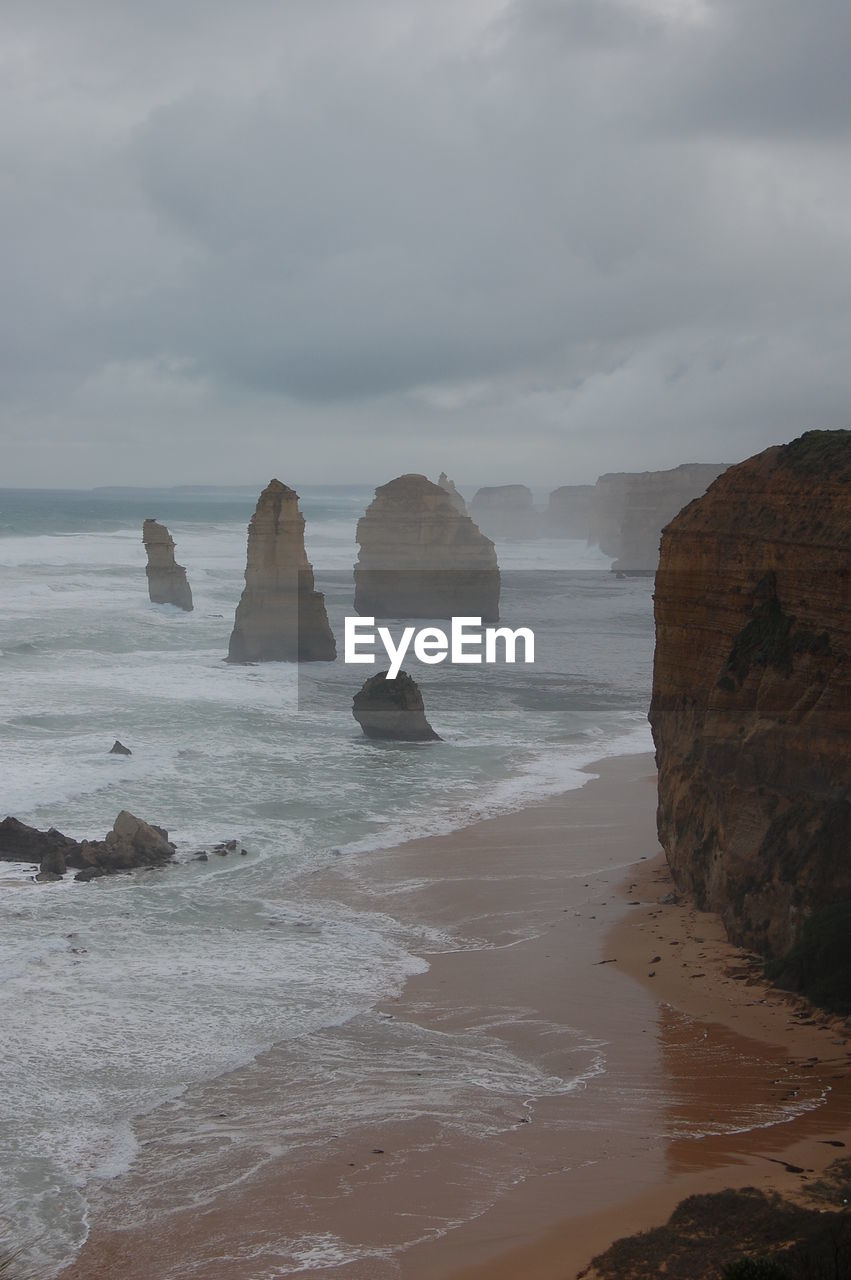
point(392, 709)
point(119, 749)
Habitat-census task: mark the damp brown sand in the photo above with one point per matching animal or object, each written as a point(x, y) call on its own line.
point(557, 919)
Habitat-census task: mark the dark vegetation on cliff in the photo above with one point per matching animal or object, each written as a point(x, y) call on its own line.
point(819, 452)
point(743, 1235)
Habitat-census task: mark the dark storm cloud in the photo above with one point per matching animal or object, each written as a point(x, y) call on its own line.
point(597, 225)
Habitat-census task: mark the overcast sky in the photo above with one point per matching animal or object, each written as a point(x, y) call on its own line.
point(339, 239)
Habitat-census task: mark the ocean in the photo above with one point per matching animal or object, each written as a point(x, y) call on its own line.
point(126, 994)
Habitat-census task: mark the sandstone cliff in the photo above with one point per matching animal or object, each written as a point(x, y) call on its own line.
point(167, 581)
point(449, 485)
point(569, 511)
point(420, 558)
point(751, 705)
point(630, 509)
point(392, 709)
point(506, 511)
point(280, 617)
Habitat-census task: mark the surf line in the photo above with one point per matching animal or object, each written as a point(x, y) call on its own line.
point(468, 641)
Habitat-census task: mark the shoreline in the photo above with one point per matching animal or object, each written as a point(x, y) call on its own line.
point(721, 987)
point(535, 901)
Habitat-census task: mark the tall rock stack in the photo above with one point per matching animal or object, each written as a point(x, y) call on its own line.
point(752, 691)
point(280, 616)
point(167, 581)
point(457, 499)
point(421, 558)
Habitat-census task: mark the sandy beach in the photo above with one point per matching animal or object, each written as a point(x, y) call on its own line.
point(660, 1065)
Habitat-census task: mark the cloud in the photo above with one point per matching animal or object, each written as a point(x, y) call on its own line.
point(599, 216)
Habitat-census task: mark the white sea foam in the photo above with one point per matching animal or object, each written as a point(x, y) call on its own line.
point(116, 996)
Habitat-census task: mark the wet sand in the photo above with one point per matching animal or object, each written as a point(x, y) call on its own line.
point(552, 922)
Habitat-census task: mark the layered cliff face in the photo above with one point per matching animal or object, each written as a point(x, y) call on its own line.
point(167, 581)
point(506, 511)
point(449, 485)
point(751, 704)
point(420, 558)
point(569, 511)
point(630, 509)
point(280, 617)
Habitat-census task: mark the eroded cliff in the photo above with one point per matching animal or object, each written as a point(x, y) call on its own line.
point(751, 708)
point(629, 509)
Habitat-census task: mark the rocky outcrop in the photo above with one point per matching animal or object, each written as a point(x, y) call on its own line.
point(420, 558)
point(569, 511)
point(507, 511)
point(167, 581)
point(630, 509)
point(280, 617)
point(752, 691)
point(393, 709)
point(457, 499)
point(130, 844)
point(119, 749)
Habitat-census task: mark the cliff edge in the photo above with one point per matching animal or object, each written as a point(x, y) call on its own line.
point(751, 704)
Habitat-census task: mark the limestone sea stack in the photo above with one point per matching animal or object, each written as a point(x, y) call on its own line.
point(568, 512)
point(751, 700)
point(457, 499)
point(421, 558)
point(280, 616)
point(393, 709)
point(167, 581)
point(506, 511)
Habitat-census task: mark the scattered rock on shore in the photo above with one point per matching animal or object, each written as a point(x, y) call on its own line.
point(131, 843)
